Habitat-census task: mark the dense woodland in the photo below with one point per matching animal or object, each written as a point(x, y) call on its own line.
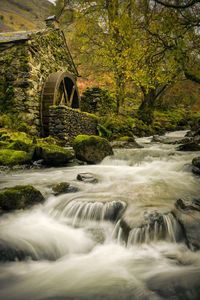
point(138, 61)
point(145, 53)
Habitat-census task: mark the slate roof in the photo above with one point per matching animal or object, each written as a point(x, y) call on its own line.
point(10, 37)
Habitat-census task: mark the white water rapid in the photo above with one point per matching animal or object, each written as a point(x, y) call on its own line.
point(113, 240)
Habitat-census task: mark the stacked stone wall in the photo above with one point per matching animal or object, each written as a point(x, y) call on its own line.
point(66, 123)
point(24, 67)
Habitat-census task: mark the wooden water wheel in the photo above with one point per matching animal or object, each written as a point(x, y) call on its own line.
point(59, 89)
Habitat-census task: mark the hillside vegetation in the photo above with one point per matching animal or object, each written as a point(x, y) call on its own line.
point(18, 15)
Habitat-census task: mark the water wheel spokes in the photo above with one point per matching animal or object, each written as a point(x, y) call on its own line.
point(72, 95)
point(65, 94)
point(59, 89)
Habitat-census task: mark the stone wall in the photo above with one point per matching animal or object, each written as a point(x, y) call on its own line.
point(24, 67)
point(66, 123)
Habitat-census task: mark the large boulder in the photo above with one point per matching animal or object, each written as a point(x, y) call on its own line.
point(19, 197)
point(91, 149)
point(188, 214)
point(53, 155)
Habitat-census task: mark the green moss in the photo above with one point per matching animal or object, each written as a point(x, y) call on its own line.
point(127, 139)
point(19, 197)
point(20, 146)
point(6, 137)
point(12, 157)
point(88, 138)
point(48, 140)
point(12, 136)
point(90, 115)
point(115, 127)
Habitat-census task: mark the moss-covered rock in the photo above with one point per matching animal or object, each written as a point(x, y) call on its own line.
point(10, 157)
point(63, 188)
point(53, 155)
point(91, 149)
point(19, 197)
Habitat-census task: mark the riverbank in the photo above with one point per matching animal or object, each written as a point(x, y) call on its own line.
point(78, 252)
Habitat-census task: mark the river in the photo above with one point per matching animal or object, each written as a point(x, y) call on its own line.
point(76, 253)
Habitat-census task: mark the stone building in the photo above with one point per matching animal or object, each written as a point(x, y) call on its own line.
point(36, 72)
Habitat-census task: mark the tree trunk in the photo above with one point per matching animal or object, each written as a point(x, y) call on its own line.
point(146, 108)
point(119, 90)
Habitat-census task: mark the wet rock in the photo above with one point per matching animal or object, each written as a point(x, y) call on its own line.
point(196, 165)
point(81, 211)
point(157, 139)
point(190, 133)
point(192, 146)
point(170, 140)
point(87, 177)
point(176, 285)
point(11, 253)
point(196, 139)
point(153, 226)
point(91, 149)
point(125, 145)
point(176, 140)
point(195, 170)
point(196, 162)
point(63, 188)
point(19, 197)
point(188, 215)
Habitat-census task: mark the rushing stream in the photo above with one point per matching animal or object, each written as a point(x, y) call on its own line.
point(75, 245)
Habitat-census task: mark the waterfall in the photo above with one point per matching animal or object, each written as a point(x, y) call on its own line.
point(81, 211)
point(167, 228)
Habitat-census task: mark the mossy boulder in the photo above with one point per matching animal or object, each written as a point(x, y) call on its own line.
point(10, 157)
point(19, 197)
point(53, 155)
point(91, 149)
